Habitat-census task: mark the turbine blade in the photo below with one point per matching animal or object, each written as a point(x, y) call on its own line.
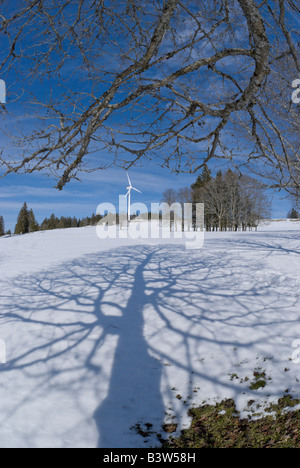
point(128, 179)
point(127, 194)
point(136, 190)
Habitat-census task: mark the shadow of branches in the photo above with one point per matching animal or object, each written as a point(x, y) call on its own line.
point(117, 330)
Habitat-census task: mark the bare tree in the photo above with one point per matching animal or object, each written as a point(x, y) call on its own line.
point(216, 202)
point(184, 195)
point(182, 82)
point(234, 202)
point(169, 196)
point(231, 201)
point(255, 205)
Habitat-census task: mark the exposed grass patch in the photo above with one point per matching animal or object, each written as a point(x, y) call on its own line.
point(259, 380)
point(169, 427)
point(220, 426)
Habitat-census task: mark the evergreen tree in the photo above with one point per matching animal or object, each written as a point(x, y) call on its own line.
point(22, 226)
point(96, 218)
point(202, 180)
point(2, 227)
point(68, 222)
point(50, 223)
point(199, 194)
point(44, 225)
point(74, 222)
point(293, 214)
point(33, 224)
point(61, 223)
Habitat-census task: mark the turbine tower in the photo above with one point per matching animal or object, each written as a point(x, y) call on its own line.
point(128, 195)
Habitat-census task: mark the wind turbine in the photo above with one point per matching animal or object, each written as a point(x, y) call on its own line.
point(128, 195)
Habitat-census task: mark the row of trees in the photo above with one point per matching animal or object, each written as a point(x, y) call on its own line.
point(231, 201)
point(68, 222)
point(27, 222)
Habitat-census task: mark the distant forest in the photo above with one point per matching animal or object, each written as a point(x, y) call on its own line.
point(27, 222)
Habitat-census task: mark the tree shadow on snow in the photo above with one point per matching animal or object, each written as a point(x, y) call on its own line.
point(107, 325)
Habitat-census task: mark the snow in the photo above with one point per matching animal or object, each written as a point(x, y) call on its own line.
point(106, 336)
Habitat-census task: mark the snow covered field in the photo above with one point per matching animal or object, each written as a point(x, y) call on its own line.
point(106, 337)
